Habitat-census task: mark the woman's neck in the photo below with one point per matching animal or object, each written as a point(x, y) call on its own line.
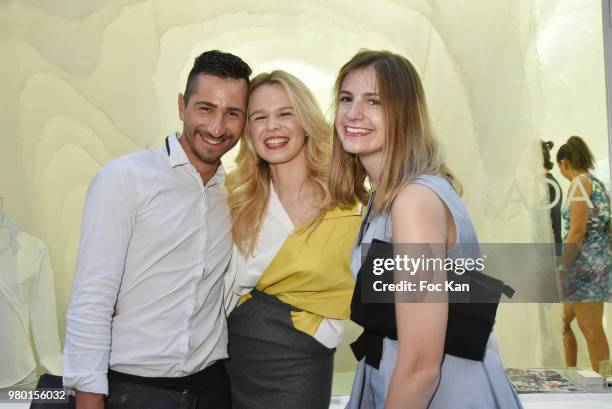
point(574, 173)
point(289, 177)
point(373, 165)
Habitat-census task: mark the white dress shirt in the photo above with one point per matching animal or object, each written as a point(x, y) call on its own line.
point(29, 335)
point(155, 244)
point(244, 272)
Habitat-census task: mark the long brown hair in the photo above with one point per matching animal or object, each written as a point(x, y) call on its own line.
point(248, 185)
point(410, 147)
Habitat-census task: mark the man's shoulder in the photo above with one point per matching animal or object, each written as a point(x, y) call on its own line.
point(133, 163)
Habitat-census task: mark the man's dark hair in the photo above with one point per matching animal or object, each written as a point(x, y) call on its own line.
point(219, 64)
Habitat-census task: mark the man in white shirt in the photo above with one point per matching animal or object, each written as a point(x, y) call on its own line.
point(147, 302)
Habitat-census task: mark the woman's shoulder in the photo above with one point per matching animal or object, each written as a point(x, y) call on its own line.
point(417, 196)
point(417, 201)
point(418, 214)
point(426, 189)
point(436, 182)
point(583, 183)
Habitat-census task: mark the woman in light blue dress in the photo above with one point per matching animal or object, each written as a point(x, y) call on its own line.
point(585, 268)
point(411, 354)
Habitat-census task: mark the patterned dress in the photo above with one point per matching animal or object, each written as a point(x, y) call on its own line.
point(590, 278)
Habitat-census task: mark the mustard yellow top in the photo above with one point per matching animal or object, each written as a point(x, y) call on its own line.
point(312, 272)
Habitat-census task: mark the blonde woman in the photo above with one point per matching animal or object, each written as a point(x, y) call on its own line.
point(411, 354)
point(293, 247)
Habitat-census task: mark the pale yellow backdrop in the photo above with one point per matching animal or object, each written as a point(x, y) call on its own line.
point(82, 82)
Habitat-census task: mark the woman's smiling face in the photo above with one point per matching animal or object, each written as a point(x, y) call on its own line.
point(274, 129)
point(359, 117)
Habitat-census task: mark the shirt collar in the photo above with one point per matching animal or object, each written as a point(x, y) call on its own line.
point(219, 175)
point(178, 157)
point(276, 209)
point(175, 151)
point(12, 231)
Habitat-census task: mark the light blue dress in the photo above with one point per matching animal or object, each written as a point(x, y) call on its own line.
point(464, 383)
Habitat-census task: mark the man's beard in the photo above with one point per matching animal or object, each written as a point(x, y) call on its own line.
point(208, 156)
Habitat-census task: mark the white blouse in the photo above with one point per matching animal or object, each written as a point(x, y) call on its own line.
point(29, 335)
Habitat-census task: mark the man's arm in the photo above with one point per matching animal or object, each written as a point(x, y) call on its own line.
point(88, 400)
point(108, 220)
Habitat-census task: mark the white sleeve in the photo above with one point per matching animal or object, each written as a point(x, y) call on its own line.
point(230, 295)
point(43, 315)
point(108, 220)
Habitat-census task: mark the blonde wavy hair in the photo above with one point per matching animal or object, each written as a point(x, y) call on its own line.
point(410, 147)
point(248, 185)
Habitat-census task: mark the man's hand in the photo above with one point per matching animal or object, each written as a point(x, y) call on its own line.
point(88, 400)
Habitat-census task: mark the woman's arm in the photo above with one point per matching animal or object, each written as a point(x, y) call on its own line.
point(579, 213)
point(418, 216)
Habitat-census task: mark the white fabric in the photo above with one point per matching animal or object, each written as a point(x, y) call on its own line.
point(27, 308)
point(330, 332)
point(155, 243)
point(244, 272)
point(602, 171)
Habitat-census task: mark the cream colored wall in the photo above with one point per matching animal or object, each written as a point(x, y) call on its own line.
point(85, 82)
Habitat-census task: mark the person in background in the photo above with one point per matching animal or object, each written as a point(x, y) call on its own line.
point(585, 267)
point(147, 302)
point(382, 131)
point(291, 264)
point(555, 194)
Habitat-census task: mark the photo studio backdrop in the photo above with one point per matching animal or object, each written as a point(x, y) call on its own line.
point(84, 82)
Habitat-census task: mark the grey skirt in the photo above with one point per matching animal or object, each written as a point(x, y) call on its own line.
point(273, 365)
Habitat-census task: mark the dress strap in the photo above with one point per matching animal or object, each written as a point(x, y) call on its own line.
point(365, 223)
